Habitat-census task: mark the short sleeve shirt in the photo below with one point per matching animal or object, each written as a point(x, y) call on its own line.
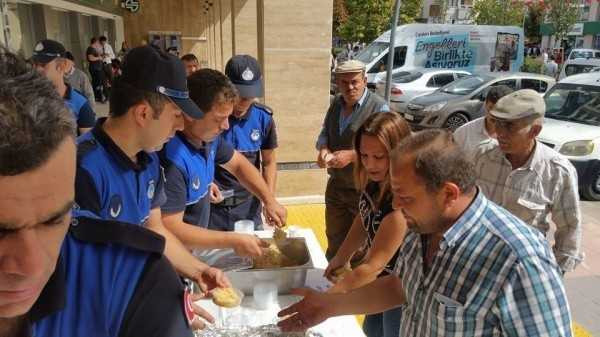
point(189, 170)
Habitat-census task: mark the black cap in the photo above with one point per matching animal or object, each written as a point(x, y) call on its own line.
point(244, 72)
point(47, 50)
point(150, 69)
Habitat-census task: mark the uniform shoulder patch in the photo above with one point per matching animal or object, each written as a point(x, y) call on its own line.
point(264, 107)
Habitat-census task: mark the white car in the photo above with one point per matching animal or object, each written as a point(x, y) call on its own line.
point(572, 127)
point(407, 85)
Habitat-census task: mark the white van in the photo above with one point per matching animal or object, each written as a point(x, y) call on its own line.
point(473, 48)
point(572, 127)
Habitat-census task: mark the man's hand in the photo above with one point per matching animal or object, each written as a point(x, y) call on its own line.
point(335, 269)
point(322, 157)
point(215, 194)
point(201, 314)
point(341, 159)
point(275, 214)
point(310, 311)
point(210, 278)
point(248, 245)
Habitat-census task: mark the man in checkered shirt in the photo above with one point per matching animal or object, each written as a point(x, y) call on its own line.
point(466, 268)
point(529, 179)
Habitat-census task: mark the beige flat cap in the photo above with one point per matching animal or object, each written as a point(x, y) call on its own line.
point(519, 104)
point(350, 66)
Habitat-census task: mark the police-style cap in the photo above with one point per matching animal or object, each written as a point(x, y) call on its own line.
point(350, 66)
point(519, 104)
point(47, 50)
point(244, 72)
point(150, 69)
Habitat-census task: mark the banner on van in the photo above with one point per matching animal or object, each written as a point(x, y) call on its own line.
point(445, 51)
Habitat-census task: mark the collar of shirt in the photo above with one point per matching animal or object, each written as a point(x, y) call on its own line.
point(53, 297)
point(243, 117)
point(68, 93)
point(143, 159)
point(203, 150)
point(534, 163)
point(469, 218)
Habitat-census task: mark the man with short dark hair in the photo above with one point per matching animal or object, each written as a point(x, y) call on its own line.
point(252, 133)
point(95, 68)
point(470, 135)
point(61, 280)
point(118, 172)
point(191, 63)
point(345, 115)
point(529, 179)
point(189, 160)
point(50, 60)
point(467, 267)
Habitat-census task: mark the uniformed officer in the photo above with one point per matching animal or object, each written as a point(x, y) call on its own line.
point(91, 279)
point(190, 158)
point(49, 58)
point(118, 173)
point(347, 112)
point(252, 133)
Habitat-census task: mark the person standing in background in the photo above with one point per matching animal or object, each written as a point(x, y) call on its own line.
point(95, 68)
point(78, 80)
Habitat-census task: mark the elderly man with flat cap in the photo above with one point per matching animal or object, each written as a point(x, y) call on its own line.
point(528, 178)
point(346, 114)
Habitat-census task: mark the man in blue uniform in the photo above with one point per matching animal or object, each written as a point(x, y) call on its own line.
point(49, 57)
point(252, 133)
point(190, 158)
point(87, 279)
point(118, 173)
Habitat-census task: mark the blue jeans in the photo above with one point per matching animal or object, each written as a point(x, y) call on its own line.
point(385, 324)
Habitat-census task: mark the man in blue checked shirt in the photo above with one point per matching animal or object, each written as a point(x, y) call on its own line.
point(467, 267)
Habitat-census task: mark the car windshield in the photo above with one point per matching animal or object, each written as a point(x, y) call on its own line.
point(371, 52)
point(581, 54)
point(574, 69)
point(466, 85)
point(406, 77)
point(575, 103)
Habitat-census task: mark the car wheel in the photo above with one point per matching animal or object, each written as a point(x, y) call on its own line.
point(591, 189)
point(456, 120)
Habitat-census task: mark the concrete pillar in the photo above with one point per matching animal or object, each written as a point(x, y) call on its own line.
point(225, 7)
point(297, 44)
point(246, 39)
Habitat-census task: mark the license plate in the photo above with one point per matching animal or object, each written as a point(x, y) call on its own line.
point(409, 117)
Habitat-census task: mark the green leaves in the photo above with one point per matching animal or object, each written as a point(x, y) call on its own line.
point(365, 20)
point(498, 12)
point(562, 14)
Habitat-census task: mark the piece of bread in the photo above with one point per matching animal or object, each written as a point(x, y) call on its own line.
point(226, 297)
point(272, 258)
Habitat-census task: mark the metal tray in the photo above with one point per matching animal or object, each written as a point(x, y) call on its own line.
point(286, 278)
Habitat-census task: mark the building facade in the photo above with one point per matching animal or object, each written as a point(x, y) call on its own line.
point(584, 34)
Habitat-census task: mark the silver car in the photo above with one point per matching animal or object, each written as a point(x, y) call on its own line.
point(407, 85)
point(461, 101)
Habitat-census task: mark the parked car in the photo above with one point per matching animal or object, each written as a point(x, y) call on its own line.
point(461, 101)
point(584, 54)
point(578, 66)
point(407, 85)
point(571, 127)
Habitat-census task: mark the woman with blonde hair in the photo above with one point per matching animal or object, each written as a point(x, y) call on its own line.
point(377, 223)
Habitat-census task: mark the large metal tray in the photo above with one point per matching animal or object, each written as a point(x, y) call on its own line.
point(286, 278)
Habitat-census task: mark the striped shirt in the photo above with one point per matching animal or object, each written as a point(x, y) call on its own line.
point(545, 187)
point(492, 276)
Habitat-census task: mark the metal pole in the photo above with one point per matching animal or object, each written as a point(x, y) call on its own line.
point(392, 46)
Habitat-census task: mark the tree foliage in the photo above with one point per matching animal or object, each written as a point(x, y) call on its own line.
point(498, 12)
point(365, 20)
point(562, 15)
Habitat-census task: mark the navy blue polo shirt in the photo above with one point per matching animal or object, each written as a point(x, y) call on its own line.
point(111, 279)
point(112, 186)
point(189, 170)
point(253, 132)
point(82, 111)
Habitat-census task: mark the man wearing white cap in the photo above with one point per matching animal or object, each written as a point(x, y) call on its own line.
point(528, 178)
point(346, 114)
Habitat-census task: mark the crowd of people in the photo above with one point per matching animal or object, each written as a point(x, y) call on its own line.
point(429, 233)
